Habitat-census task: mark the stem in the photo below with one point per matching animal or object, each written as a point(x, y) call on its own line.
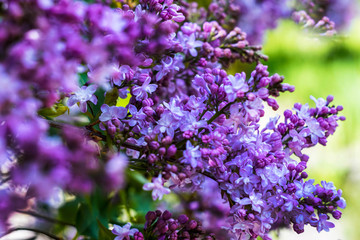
point(217, 114)
point(209, 175)
point(137, 168)
point(50, 235)
point(132, 146)
point(91, 110)
point(202, 114)
point(46, 218)
point(94, 123)
point(55, 124)
point(135, 225)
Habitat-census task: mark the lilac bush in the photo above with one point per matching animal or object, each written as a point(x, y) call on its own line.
point(163, 116)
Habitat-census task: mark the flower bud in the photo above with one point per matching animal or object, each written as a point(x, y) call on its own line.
point(183, 219)
point(171, 151)
point(152, 158)
point(173, 226)
point(116, 122)
point(138, 236)
point(160, 109)
point(166, 140)
point(329, 99)
point(166, 215)
point(162, 151)
point(336, 214)
point(111, 129)
point(148, 110)
point(250, 96)
point(154, 145)
point(192, 225)
point(158, 213)
point(223, 73)
point(304, 175)
point(150, 216)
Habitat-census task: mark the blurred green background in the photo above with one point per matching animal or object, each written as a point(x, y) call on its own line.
point(319, 67)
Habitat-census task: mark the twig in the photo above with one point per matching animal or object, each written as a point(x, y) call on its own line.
point(132, 146)
point(209, 175)
point(46, 218)
point(219, 113)
point(50, 235)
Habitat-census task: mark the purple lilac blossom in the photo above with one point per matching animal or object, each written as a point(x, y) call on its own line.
point(113, 112)
point(141, 92)
point(191, 154)
point(83, 95)
point(237, 86)
point(189, 43)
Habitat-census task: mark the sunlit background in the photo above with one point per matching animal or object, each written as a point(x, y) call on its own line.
point(320, 67)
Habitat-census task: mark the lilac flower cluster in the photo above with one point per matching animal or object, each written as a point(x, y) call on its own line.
point(215, 133)
point(324, 26)
point(339, 12)
point(161, 225)
point(255, 17)
point(188, 121)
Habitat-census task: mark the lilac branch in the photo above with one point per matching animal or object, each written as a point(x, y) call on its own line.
point(217, 114)
point(50, 235)
point(46, 218)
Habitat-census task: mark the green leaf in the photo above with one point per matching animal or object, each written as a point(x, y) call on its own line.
point(104, 233)
point(111, 97)
point(68, 211)
point(94, 208)
point(141, 201)
point(136, 178)
point(83, 79)
point(56, 110)
point(83, 218)
point(100, 94)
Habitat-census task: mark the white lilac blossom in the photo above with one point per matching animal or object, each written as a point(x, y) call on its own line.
point(157, 188)
point(84, 94)
point(124, 232)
